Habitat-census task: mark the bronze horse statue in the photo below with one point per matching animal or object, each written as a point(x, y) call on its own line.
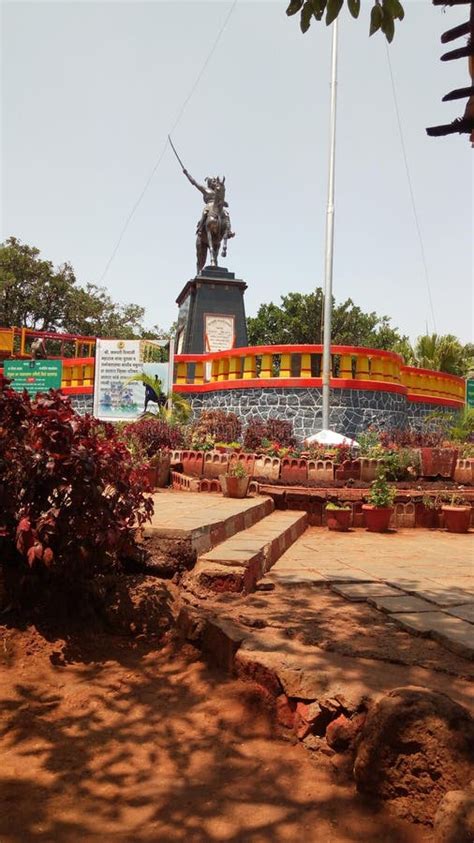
point(214, 228)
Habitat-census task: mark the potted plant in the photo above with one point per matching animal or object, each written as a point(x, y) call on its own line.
point(457, 515)
point(338, 516)
point(235, 483)
point(438, 462)
point(379, 510)
point(430, 511)
point(160, 461)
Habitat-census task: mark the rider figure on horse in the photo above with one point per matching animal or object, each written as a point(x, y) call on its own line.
point(214, 192)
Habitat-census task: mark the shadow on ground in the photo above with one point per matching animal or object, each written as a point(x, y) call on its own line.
point(107, 739)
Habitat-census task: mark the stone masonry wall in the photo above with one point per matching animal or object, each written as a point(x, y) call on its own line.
point(424, 415)
point(82, 403)
point(351, 411)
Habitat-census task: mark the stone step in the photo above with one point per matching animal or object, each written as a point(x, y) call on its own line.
point(185, 526)
point(238, 563)
point(283, 663)
point(199, 522)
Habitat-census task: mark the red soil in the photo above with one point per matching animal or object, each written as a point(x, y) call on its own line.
point(108, 739)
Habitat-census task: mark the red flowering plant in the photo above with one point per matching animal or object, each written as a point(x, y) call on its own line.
point(276, 449)
point(342, 453)
point(70, 497)
point(272, 449)
point(317, 452)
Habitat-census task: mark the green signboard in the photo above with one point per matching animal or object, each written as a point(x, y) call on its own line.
point(34, 375)
point(470, 392)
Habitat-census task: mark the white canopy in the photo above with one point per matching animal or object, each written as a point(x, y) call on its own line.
point(330, 437)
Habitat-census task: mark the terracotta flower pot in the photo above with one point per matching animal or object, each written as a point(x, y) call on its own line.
point(457, 518)
point(338, 519)
point(438, 462)
point(150, 475)
point(428, 517)
point(234, 487)
point(163, 471)
point(377, 518)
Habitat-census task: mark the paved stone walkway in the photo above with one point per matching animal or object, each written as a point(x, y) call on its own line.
point(187, 511)
point(202, 520)
point(424, 580)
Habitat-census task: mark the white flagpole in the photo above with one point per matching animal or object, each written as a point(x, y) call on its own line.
point(326, 364)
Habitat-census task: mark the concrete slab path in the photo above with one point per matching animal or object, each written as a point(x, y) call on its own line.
point(424, 580)
point(179, 511)
point(204, 520)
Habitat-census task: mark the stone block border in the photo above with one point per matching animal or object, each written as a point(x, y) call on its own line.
point(299, 469)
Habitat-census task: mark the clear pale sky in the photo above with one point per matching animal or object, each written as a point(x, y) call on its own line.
point(90, 91)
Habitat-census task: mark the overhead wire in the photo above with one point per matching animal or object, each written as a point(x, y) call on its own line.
point(170, 132)
point(410, 186)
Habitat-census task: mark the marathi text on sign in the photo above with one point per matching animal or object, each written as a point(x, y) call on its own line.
point(34, 375)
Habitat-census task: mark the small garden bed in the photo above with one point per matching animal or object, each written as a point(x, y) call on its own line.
point(209, 446)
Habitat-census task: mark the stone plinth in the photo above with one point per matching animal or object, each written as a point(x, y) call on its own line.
point(211, 313)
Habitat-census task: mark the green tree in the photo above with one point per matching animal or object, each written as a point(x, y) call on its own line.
point(443, 353)
point(383, 14)
point(90, 311)
point(32, 293)
point(35, 294)
point(299, 319)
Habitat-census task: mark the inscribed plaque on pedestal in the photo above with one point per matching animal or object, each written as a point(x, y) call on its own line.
point(219, 332)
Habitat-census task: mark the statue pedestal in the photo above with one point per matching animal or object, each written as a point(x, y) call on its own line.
point(211, 313)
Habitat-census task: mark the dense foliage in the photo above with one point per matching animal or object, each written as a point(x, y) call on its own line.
point(70, 495)
point(406, 438)
point(215, 425)
point(148, 436)
point(442, 353)
point(462, 429)
point(34, 294)
point(381, 493)
point(260, 434)
point(299, 319)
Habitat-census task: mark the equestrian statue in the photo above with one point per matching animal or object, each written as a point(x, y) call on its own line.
point(214, 227)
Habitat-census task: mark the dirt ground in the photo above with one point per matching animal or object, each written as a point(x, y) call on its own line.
point(113, 739)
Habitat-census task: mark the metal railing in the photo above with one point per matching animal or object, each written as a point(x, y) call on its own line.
point(16, 342)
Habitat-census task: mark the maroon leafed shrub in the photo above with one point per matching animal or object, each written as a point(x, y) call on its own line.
point(406, 438)
point(70, 498)
point(342, 453)
point(272, 430)
point(256, 431)
point(152, 435)
point(224, 427)
point(281, 430)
